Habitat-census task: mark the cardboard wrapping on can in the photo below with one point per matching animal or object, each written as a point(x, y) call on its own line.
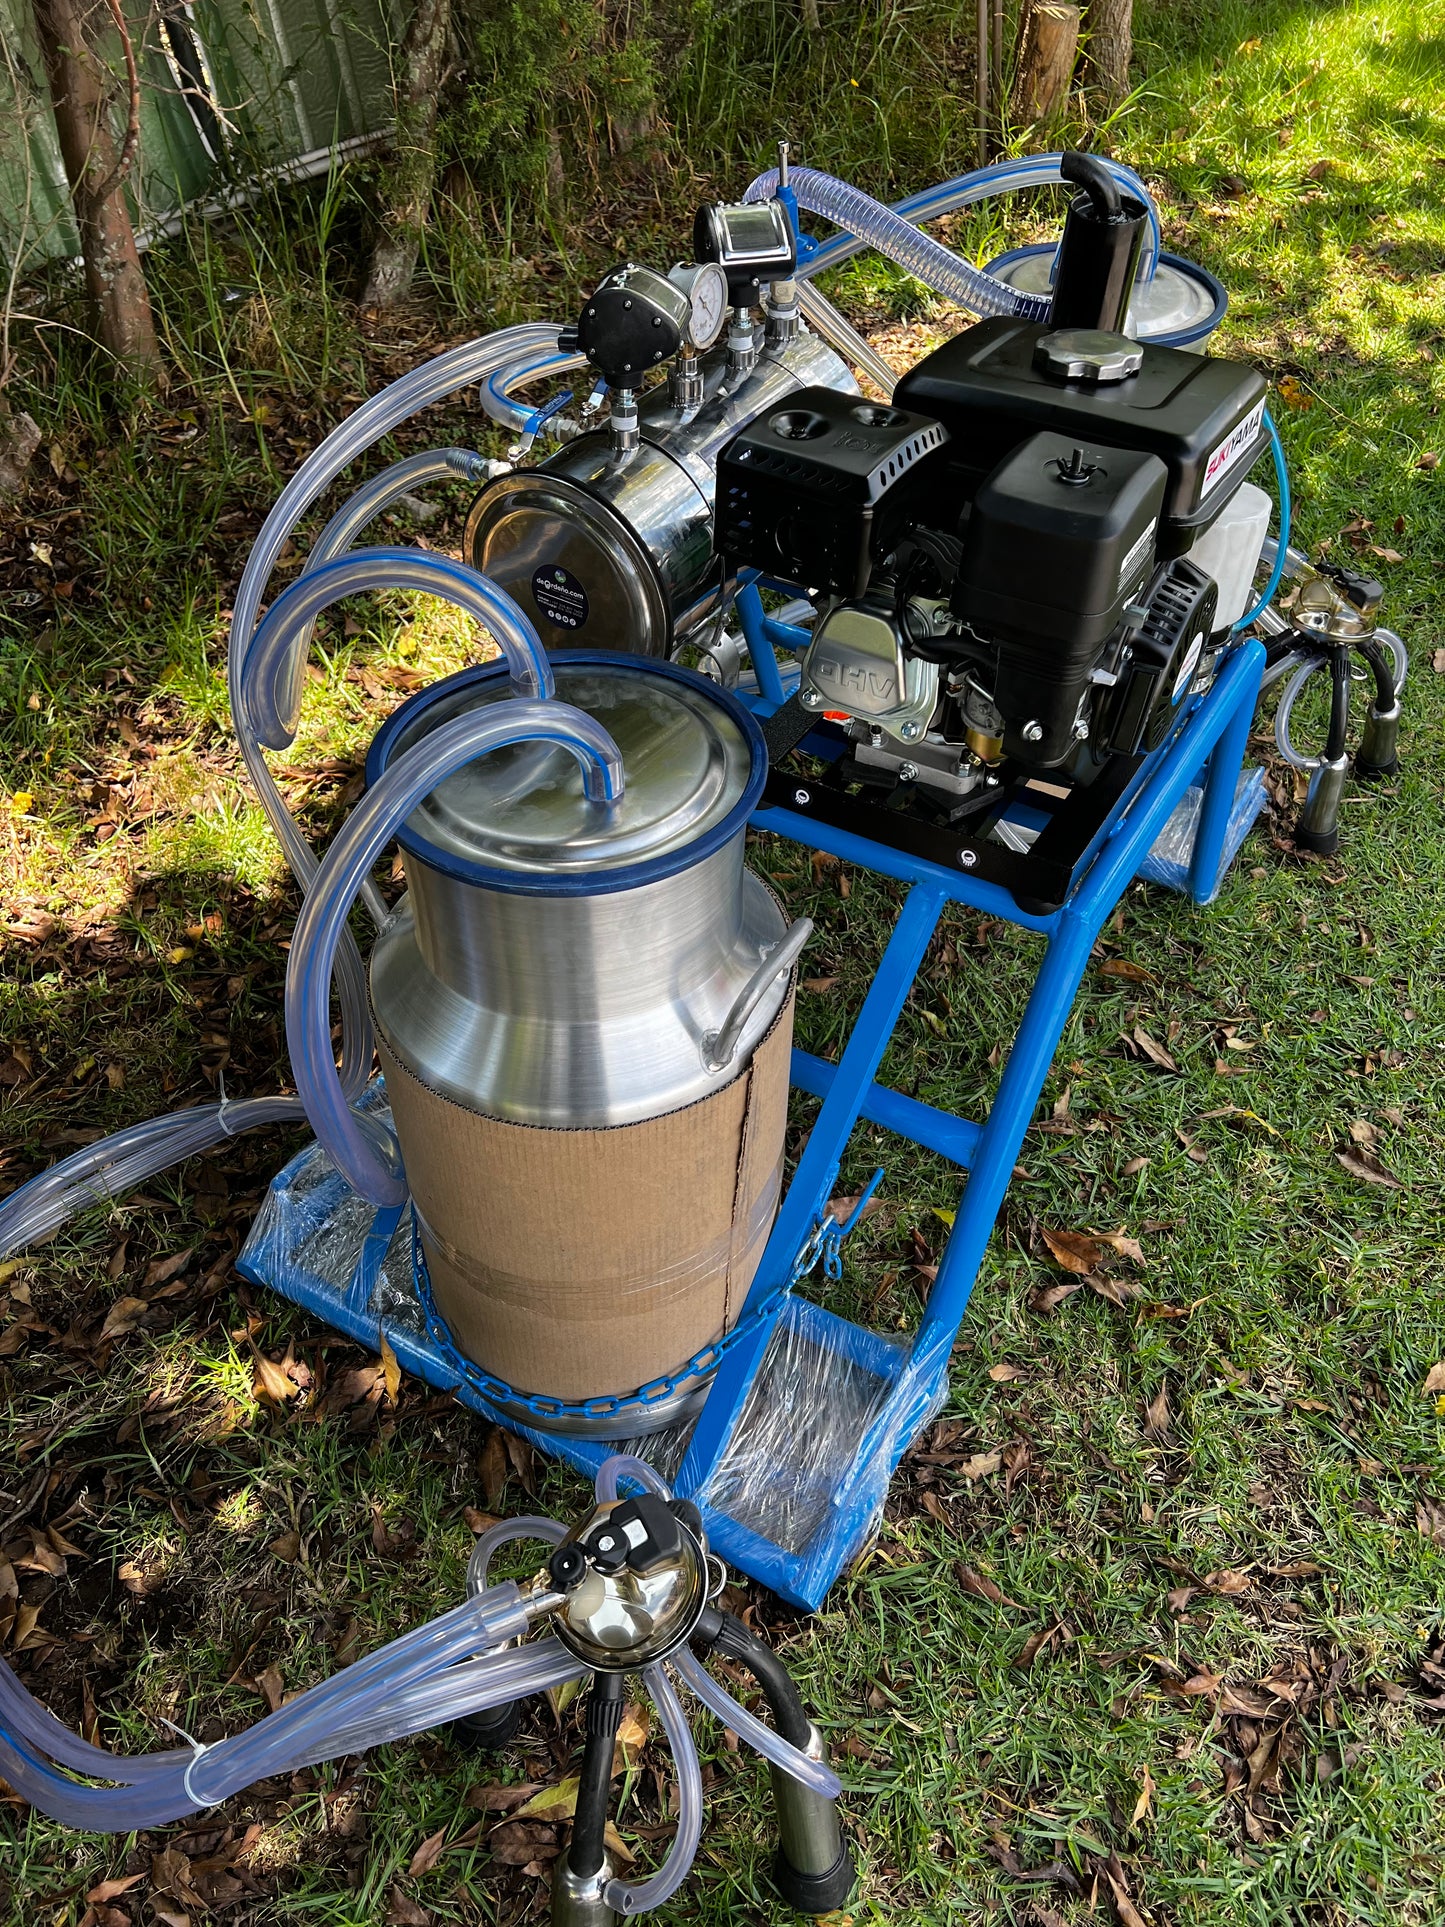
point(582, 1263)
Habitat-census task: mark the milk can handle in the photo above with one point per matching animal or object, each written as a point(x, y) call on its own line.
point(359, 1144)
point(720, 1047)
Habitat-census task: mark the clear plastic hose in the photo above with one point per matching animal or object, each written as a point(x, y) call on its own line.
point(110, 1170)
point(373, 498)
point(635, 1896)
point(265, 698)
point(497, 391)
point(533, 1526)
point(891, 234)
point(622, 1465)
point(1289, 696)
point(762, 1739)
point(840, 334)
point(1281, 543)
point(118, 1164)
point(965, 190)
point(412, 1683)
point(360, 1145)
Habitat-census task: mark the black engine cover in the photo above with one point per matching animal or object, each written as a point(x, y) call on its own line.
point(820, 487)
point(1202, 416)
point(1060, 539)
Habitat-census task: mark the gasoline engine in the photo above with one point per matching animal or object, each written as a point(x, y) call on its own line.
point(1013, 572)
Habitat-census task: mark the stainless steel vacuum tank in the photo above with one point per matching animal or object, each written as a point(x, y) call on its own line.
point(609, 549)
point(585, 1017)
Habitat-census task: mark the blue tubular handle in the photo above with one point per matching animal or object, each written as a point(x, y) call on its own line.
point(1282, 540)
point(267, 678)
point(359, 1145)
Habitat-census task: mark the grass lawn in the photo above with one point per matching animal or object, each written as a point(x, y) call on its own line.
point(1182, 1654)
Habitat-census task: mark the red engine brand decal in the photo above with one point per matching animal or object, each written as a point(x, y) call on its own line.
point(1232, 447)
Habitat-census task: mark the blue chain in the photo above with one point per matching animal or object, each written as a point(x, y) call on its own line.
point(823, 1241)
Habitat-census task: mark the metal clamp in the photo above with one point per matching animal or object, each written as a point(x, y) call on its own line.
point(720, 1047)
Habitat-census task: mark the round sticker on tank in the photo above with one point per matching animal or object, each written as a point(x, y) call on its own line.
point(559, 597)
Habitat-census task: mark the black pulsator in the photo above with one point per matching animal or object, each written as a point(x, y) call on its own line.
point(1098, 255)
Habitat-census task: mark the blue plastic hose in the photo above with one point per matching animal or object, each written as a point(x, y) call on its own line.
point(1281, 547)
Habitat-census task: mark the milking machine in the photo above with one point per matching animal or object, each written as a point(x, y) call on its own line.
point(997, 636)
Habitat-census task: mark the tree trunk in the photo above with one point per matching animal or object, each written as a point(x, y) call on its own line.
point(423, 56)
point(95, 170)
point(1108, 46)
point(1045, 62)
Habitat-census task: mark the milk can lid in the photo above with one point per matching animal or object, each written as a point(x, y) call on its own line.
point(693, 759)
point(1181, 305)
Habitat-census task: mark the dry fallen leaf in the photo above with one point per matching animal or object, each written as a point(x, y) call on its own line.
point(402, 1910)
point(1227, 1580)
point(1364, 1132)
point(1073, 1251)
point(495, 1798)
point(1429, 1522)
point(109, 1889)
point(391, 1371)
point(1156, 1414)
point(427, 1854)
point(982, 1465)
point(1155, 1052)
point(479, 1522)
point(614, 1842)
point(632, 1738)
point(1003, 1374)
point(1435, 1378)
point(1047, 1297)
point(287, 1548)
point(1367, 1167)
point(1129, 1915)
point(272, 1381)
point(1146, 1797)
point(553, 1802)
point(269, 1685)
point(1129, 1248)
point(979, 1587)
point(1114, 1291)
point(124, 1315)
point(1035, 1644)
point(1131, 972)
point(492, 1469)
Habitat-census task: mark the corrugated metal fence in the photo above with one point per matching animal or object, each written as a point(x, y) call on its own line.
point(229, 88)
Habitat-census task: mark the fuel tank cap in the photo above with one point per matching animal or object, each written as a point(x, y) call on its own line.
point(1088, 354)
point(693, 759)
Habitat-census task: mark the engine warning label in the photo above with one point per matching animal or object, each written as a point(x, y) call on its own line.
point(559, 597)
point(1236, 444)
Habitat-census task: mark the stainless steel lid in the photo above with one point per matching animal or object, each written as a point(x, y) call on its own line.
point(692, 759)
point(1180, 301)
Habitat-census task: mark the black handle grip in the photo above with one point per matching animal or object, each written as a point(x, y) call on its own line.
point(1089, 172)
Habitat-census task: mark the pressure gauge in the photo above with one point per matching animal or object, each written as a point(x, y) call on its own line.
point(706, 287)
point(752, 241)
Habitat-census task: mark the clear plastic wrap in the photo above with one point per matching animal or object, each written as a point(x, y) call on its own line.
point(1169, 858)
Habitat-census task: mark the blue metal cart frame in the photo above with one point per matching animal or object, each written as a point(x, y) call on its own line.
point(913, 1376)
